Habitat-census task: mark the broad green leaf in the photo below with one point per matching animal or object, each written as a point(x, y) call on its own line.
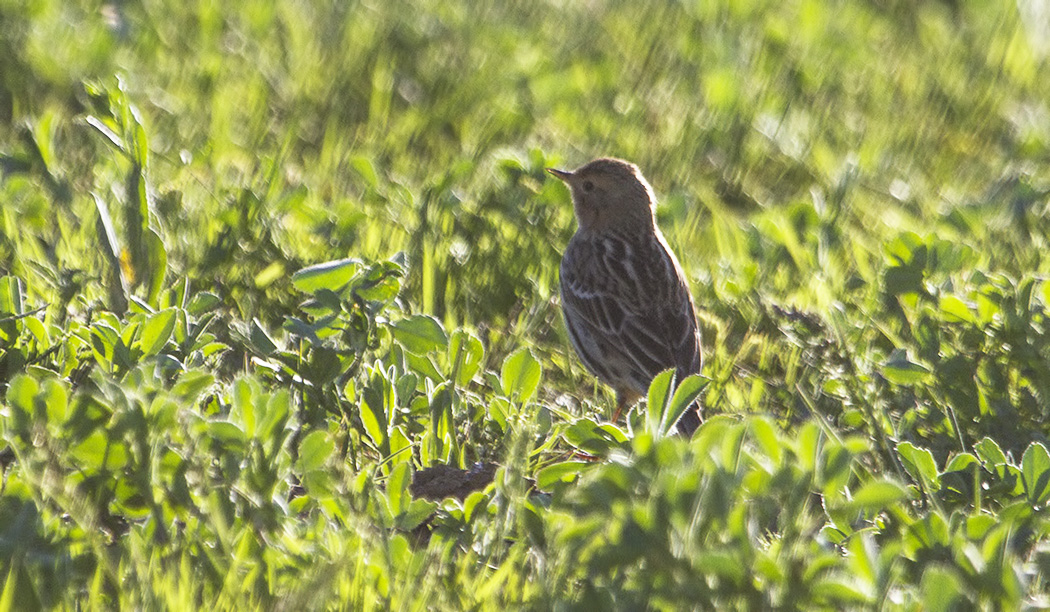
point(960, 462)
point(589, 437)
point(11, 303)
point(192, 384)
point(7, 597)
point(1035, 467)
point(565, 471)
point(39, 331)
point(902, 249)
point(320, 484)
point(942, 590)
point(418, 511)
point(659, 394)
point(521, 375)
point(400, 446)
point(684, 396)
point(376, 401)
point(244, 398)
point(158, 264)
point(465, 354)
point(331, 275)
point(920, 465)
point(228, 434)
point(765, 434)
point(842, 590)
point(56, 398)
point(419, 334)
point(314, 451)
point(203, 302)
point(499, 411)
point(271, 417)
point(261, 340)
point(397, 488)
point(98, 452)
point(876, 495)
point(899, 370)
point(978, 526)
point(156, 331)
point(988, 450)
point(104, 340)
point(954, 309)
point(423, 365)
point(364, 168)
point(723, 564)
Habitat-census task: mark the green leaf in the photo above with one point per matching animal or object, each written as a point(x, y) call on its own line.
point(765, 434)
point(521, 375)
point(314, 451)
point(271, 418)
point(227, 433)
point(158, 264)
point(875, 496)
point(156, 331)
point(988, 450)
point(656, 406)
point(376, 399)
point(420, 334)
point(260, 340)
point(104, 341)
point(192, 384)
point(954, 309)
point(418, 511)
point(589, 437)
point(331, 275)
point(11, 303)
point(1035, 468)
point(397, 488)
point(56, 398)
point(98, 452)
point(684, 397)
point(920, 465)
point(465, 354)
point(941, 588)
point(564, 472)
point(203, 302)
point(899, 370)
point(960, 462)
point(244, 403)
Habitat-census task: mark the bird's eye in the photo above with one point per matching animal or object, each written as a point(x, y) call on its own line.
point(588, 185)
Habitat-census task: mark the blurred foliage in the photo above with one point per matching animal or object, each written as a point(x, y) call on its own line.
point(260, 262)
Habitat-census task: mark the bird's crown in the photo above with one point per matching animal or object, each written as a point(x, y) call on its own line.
point(610, 193)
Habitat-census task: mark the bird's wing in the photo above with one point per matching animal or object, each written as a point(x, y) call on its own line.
point(644, 313)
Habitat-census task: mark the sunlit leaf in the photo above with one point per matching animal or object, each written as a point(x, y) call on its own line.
point(1035, 466)
point(157, 330)
point(314, 451)
point(520, 375)
point(900, 370)
point(331, 275)
point(920, 464)
point(419, 333)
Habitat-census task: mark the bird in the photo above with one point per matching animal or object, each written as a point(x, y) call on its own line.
point(624, 297)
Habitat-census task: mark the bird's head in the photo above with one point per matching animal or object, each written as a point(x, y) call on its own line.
point(610, 194)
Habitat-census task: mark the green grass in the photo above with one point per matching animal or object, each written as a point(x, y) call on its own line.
point(260, 263)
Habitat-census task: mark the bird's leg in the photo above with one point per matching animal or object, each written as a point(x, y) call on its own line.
point(623, 398)
point(621, 401)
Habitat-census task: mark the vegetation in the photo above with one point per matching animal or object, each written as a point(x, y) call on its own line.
point(261, 263)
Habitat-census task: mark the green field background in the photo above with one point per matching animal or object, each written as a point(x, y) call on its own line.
point(261, 263)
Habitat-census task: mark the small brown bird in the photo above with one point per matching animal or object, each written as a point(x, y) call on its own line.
point(626, 303)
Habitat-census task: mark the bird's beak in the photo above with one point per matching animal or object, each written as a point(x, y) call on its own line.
point(563, 175)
